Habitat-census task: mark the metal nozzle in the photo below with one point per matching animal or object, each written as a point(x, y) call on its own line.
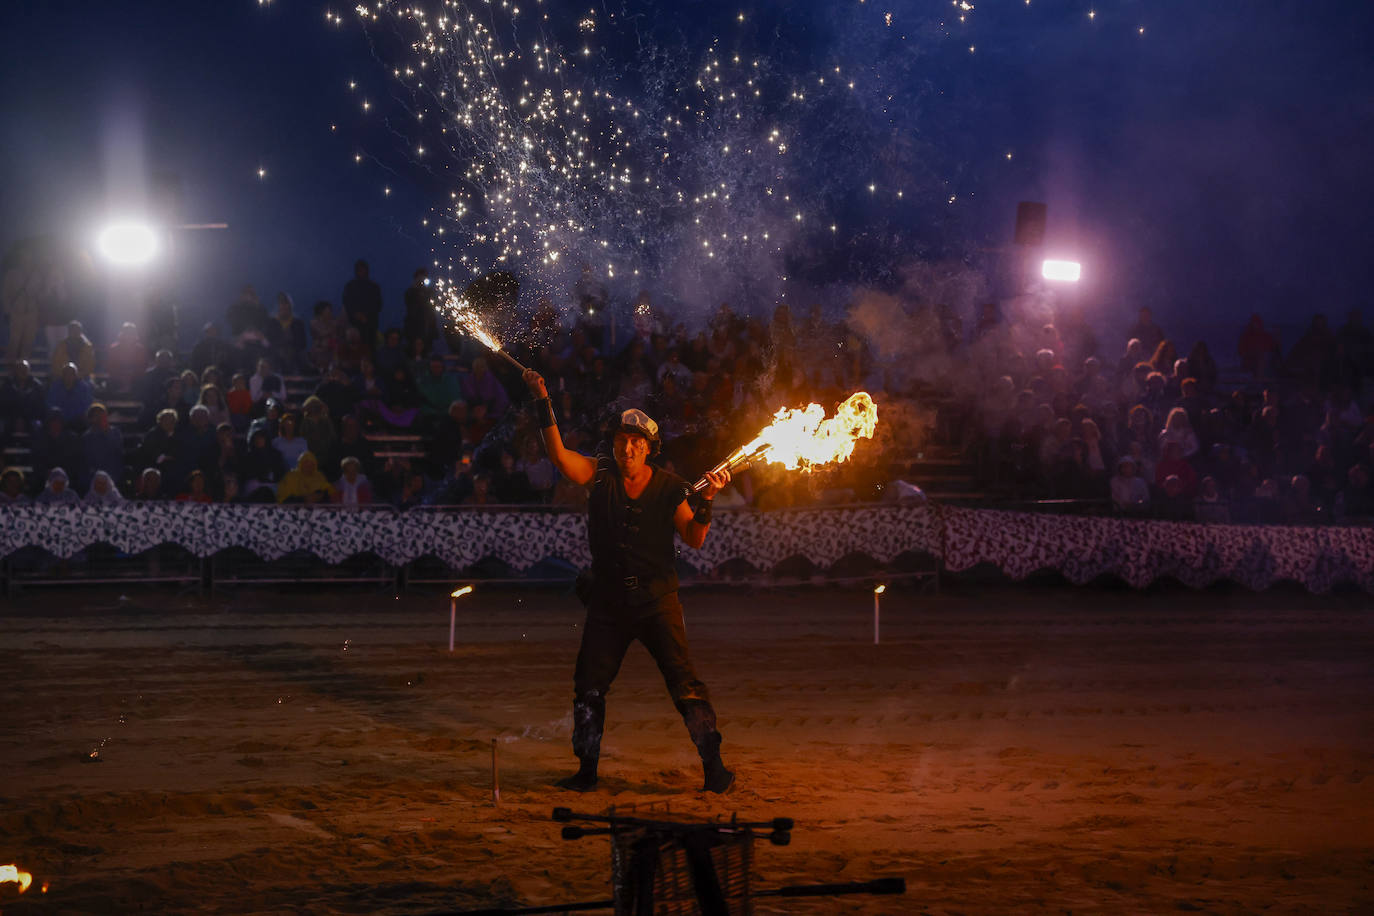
point(738, 459)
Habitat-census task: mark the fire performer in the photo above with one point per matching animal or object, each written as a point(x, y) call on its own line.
point(632, 593)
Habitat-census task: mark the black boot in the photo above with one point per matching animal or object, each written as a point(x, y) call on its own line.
point(718, 778)
point(584, 780)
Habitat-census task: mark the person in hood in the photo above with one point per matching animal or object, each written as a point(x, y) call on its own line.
point(103, 491)
point(58, 492)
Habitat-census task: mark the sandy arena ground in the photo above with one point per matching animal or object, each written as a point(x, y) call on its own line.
point(1006, 749)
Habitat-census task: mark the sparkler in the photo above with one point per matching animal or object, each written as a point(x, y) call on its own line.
point(460, 310)
point(804, 438)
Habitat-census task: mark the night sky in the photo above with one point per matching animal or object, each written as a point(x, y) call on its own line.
point(1213, 165)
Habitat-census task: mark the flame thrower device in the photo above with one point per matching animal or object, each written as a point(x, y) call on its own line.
point(668, 867)
point(739, 459)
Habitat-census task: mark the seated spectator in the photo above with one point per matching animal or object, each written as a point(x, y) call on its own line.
point(353, 350)
point(286, 333)
point(510, 485)
point(57, 492)
point(262, 468)
point(1325, 477)
point(212, 399)
point(266, 384)
point(161, 444)
point(228, 461)
point(412, 492)
point(102, 445)
point(149, 487)
point(478, 424)
point(212, 350)
point(317, 429)
point(54, 445)
point(1203, 367)
point(270, 421)
point(229, 489)
point(1356, 500)
point(1211, 507)
point(1178, 429)
point(126, 359)
point(171, 399)
point(12, 488)
point(190, 389)
point(103, 491)
point(352, 490)
point(23, 401)
point(197, 448)
point(195, 490)
point(1130, 493)
point(1298, 508)
point(305, 483)
point(391, 355)
point(351, 442)
point(152, 387)
point(72, 395)
point(449, 434)
point(324, 336)
point(1173, 464)
point(1174, 504)
point(538, 469)
point(456, 485)
point(1145, 330)
point(481, 387)
point(1097, 459)
point(239, 401)
point(337, 392)
point(438, 389)
point(288, 441)
point(481, 494)
point(77, 349)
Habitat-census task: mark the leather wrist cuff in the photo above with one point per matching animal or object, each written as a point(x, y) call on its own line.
point(703, 514)
point(543, 412)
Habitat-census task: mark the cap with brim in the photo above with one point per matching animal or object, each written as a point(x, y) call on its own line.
point(638, 423)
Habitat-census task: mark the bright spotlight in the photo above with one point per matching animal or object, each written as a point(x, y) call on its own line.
point(128, 243)
point(1066, 271)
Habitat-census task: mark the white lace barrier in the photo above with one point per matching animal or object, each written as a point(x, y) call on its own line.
point(1081, 548)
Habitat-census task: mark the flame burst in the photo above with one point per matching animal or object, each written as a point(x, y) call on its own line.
point(12, 874)
point(804, 438)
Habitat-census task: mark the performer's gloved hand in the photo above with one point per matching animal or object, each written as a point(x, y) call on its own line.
point(535, 381)
point(715, 483)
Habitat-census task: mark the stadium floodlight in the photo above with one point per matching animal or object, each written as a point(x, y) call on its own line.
point(1064, 271)
point(128, 244)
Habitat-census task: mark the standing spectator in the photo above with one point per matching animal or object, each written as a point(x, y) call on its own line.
point(72, 395)
point(161, 322)
point(324, 336)
point(288, 443)
point(352, 490)
point(266, 384)
point(23, 402)
point(420, 322)
point(127, 359)
point(151, 389)
point(287, 334)
point(12, 488)
point(1356, 348)
point(19, 300)
point(54, 309)
point(103, 492)
point(58, 492)
point(362, 304)
point(56, 446)
point(212, 350)
point(102, 445)
point(1146, 331)
point(1313, 357)
point(77, 349)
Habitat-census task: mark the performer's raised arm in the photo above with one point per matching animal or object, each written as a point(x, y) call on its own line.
point(576, 467)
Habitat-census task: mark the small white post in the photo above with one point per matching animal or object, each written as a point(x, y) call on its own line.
point(453, 612)
point(877, 598)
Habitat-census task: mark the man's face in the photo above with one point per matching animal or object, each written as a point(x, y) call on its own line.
point(631, 452)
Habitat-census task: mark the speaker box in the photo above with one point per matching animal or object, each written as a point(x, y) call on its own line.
point(1030, 223)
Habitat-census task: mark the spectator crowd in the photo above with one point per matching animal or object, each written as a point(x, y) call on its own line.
point(330, 407)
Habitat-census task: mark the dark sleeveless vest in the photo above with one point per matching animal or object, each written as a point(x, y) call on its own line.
point(633, 553)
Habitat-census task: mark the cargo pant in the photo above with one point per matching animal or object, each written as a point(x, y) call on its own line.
point(606, 636)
